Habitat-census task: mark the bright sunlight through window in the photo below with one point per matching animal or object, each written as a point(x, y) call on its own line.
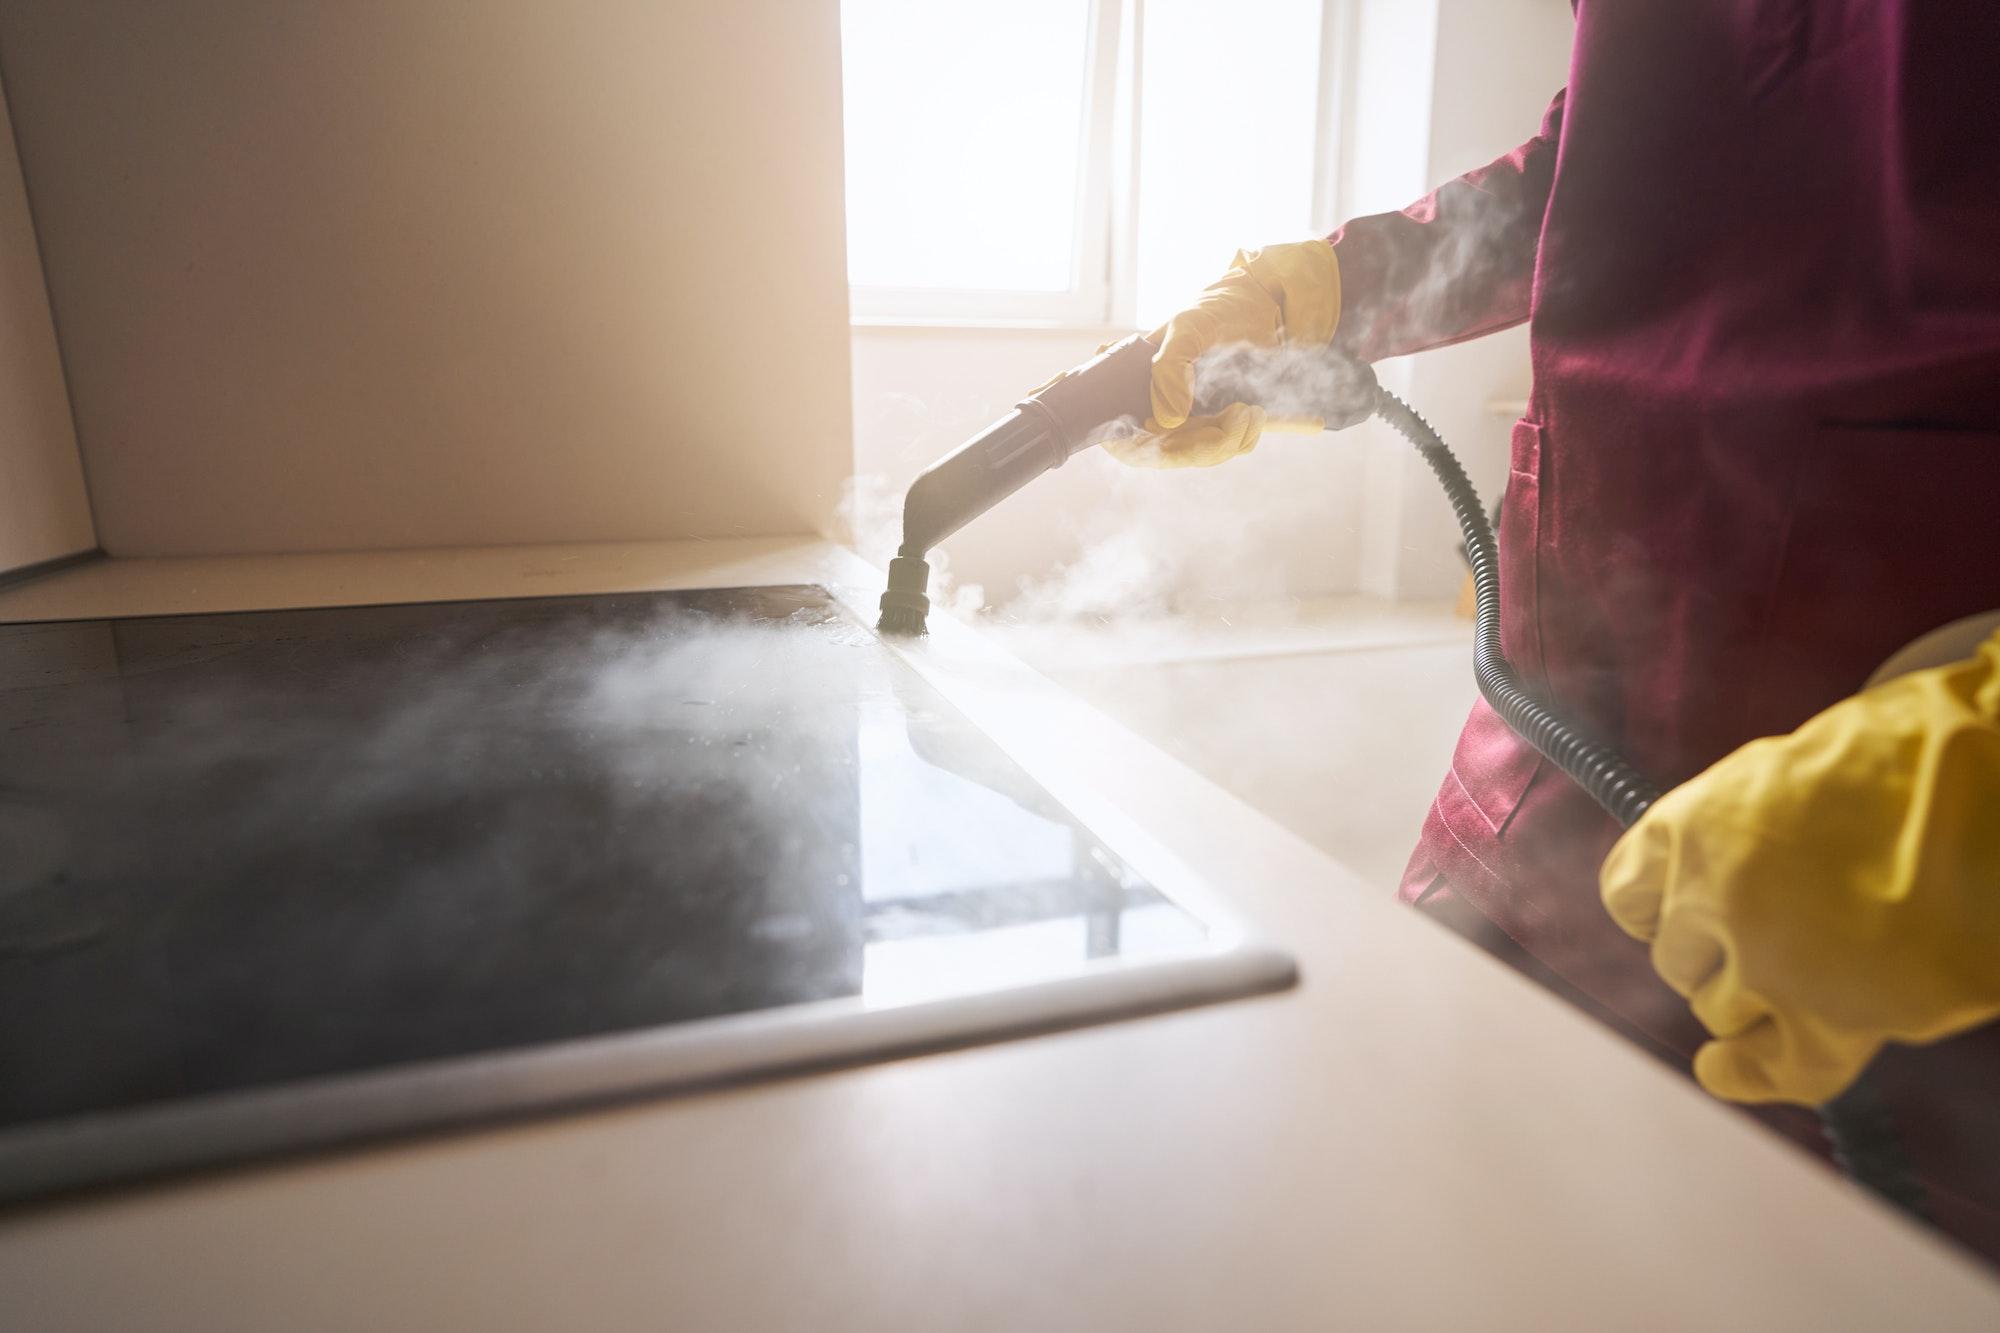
point(965, 128)
point(1072, 161)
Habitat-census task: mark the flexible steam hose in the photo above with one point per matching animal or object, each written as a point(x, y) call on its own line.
point(1857, 1125)
point(1611, 781)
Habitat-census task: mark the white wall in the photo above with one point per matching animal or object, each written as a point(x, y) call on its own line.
point(1443, 85)
point(44, 512)
point(414, 272)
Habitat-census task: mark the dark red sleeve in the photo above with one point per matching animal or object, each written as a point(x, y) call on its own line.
point(1452, 266)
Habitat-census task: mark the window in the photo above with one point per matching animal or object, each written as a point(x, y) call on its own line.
point(1074, 162)
point(978, 151)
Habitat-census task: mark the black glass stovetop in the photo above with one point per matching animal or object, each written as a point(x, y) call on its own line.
point(240, 850)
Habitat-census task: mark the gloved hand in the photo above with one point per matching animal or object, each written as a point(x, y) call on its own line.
point(1819, 894)
point(1281, 294)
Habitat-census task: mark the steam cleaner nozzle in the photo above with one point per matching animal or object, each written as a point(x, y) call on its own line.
point(1043, 430)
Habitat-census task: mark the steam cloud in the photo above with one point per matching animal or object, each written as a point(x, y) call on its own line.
point(1159, 543)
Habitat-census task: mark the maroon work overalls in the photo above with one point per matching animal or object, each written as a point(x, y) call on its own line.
point(1758, 246)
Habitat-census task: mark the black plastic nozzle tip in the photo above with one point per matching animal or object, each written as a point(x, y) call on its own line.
point(902, 622)
point(905, 608)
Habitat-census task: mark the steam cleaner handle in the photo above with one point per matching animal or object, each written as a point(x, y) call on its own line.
point(1115, 384)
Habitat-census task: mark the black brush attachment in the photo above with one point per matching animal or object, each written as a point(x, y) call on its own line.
point(905, 606)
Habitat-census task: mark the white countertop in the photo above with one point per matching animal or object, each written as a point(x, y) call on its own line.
point(1412, 1138)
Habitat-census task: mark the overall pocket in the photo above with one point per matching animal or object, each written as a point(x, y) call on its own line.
point(1519, 534)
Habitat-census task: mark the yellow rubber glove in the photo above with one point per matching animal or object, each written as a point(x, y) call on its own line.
point(1281, 294)
point(1819, 894)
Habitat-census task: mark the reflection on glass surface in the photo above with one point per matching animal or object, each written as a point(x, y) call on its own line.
point(925, 829)
point(248, 849)
point(976, 881)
